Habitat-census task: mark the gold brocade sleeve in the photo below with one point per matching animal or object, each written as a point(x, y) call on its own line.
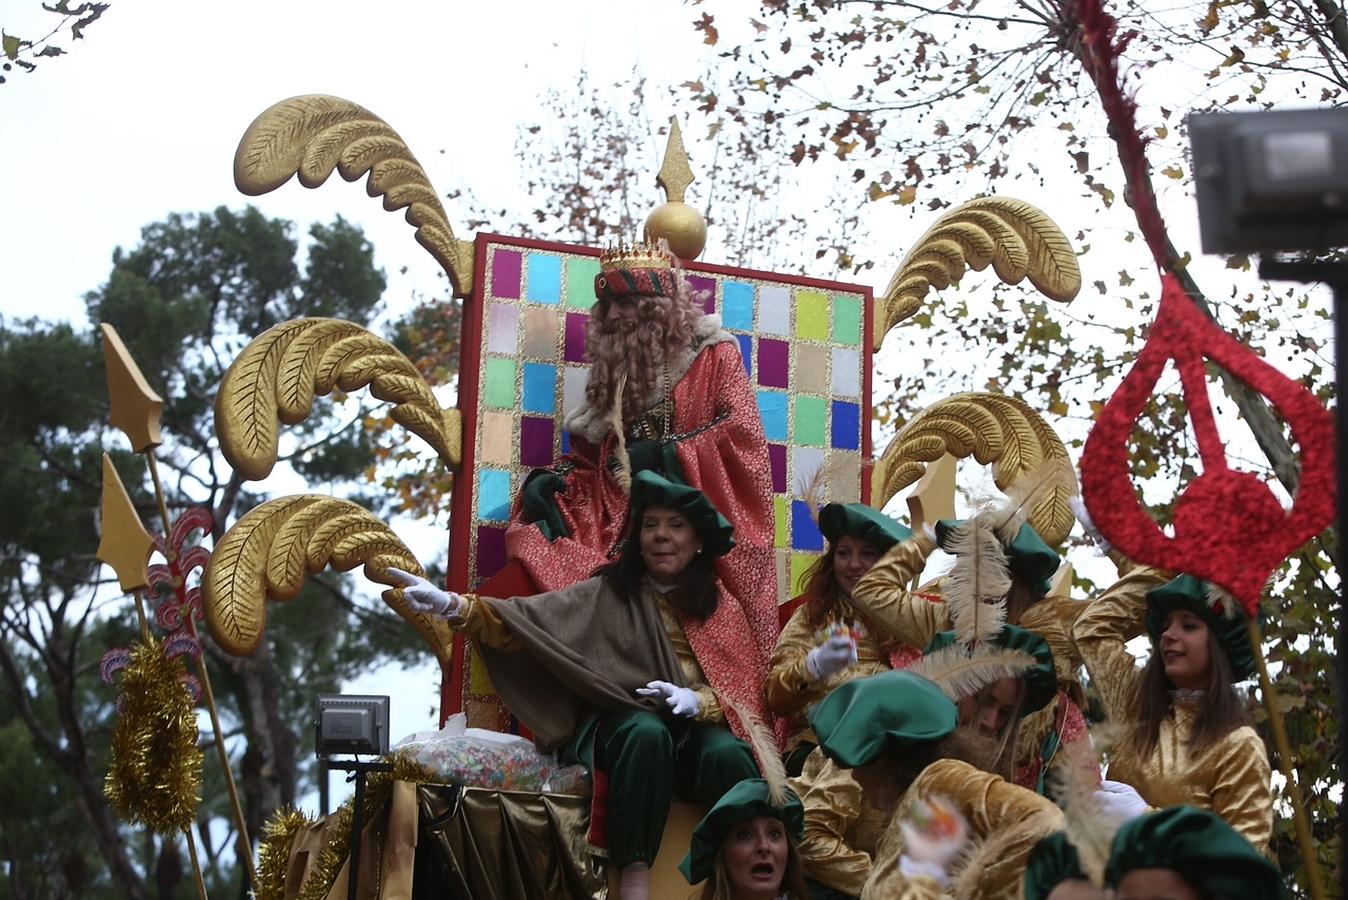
point(479, 621)
point(883, 594)
point(790, 687)
point(833, 804)
point(1242, 786)
point(1103, 631)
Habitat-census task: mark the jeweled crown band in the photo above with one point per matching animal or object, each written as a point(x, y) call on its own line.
point(615, 283)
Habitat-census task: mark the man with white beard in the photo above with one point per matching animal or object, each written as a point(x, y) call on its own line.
point(675, 380)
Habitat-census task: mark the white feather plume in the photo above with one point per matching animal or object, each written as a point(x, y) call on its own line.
point(975, 590)
point(961, 671)
point(1073, 784)
point(766, 751)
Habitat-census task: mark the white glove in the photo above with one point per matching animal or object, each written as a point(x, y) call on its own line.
point(425, 597)
point(681, 701)
point(1119, 801)
point(1088, 525)
point(831, 657)
point(934, 835)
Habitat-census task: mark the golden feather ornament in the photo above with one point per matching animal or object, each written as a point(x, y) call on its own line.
point(275, 379)
point(1016, 238)
point(314, 134)
point(276, 546)
point(154, 771)
point(996, 430)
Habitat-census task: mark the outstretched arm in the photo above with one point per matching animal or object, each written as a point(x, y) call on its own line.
point(883, 594)
point(1101, 635)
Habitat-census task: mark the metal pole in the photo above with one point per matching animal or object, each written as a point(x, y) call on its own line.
point(1335, 275)
point(357, 826)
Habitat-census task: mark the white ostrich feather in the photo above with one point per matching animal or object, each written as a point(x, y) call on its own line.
point(960, 671)
point(975, 589)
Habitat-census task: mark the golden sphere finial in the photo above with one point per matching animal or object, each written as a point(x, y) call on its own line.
point(679, 224)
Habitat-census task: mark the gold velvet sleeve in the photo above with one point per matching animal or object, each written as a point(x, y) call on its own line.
point(1242, 791)
point(1006, 819)
point(832, 801)
point(790, 687)
point(1102, 632)
point(479, 621)
point(882, 593)
point(709, 710)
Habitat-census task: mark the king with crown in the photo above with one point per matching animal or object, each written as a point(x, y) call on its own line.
point(667, 390)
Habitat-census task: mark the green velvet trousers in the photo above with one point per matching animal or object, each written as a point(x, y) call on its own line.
point(650, 760)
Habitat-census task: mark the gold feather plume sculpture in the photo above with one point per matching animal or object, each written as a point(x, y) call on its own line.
point(1025, 453)
point(270, 551)
point(311, 135)
point(1019, 241)
point(276, 377)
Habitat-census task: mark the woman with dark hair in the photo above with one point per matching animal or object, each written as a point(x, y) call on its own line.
point(1188, 739)
point(639, 672)
point(745, 847)
point(828, 641)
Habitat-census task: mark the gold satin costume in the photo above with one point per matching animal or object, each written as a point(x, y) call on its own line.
point(1231, 777)
point(1005, 819)
point(479, 622)
point(842, 830)
point(884, 596)
point(791, 689)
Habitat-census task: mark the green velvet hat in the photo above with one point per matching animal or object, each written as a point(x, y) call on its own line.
point(747, 800)
point(1190, 593)
point(1041, 682)
point(859, 718)
point(863, 522)
point(1052, 861)
point(650, 489)
point(1027, 555)
point(1200, 847)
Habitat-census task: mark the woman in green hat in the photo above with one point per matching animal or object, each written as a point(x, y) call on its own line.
point(637, 672)
point(745, 847)
point(827, 640)
point(1000, 561)
point(903, 740)
point(1183, 853)
point(1187, 737)
point(878, 733)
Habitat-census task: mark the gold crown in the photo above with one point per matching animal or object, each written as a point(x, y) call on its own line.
point(636, 255)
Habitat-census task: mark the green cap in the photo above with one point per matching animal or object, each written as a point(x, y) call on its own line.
point(859, 718)
point(862, 522)
point(1041, 681)
point(747, 800)
point(1200, 847)
point(1052, 861)
point(1026, 555)
point(1190, 593)
point(650, 489)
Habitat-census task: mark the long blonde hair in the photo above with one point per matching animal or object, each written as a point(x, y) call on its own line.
point(717, 887)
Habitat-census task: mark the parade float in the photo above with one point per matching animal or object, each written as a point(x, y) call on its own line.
point(470, 809)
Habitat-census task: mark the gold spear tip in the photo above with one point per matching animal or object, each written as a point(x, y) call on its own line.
point(124, 544)
point(135, 405)
point(678, 223)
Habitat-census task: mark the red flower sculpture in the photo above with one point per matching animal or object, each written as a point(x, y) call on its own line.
point(1229, 528)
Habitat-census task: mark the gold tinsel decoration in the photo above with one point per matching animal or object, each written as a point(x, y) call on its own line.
point(273, 851)
point(338, 846)
point(154, 775)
